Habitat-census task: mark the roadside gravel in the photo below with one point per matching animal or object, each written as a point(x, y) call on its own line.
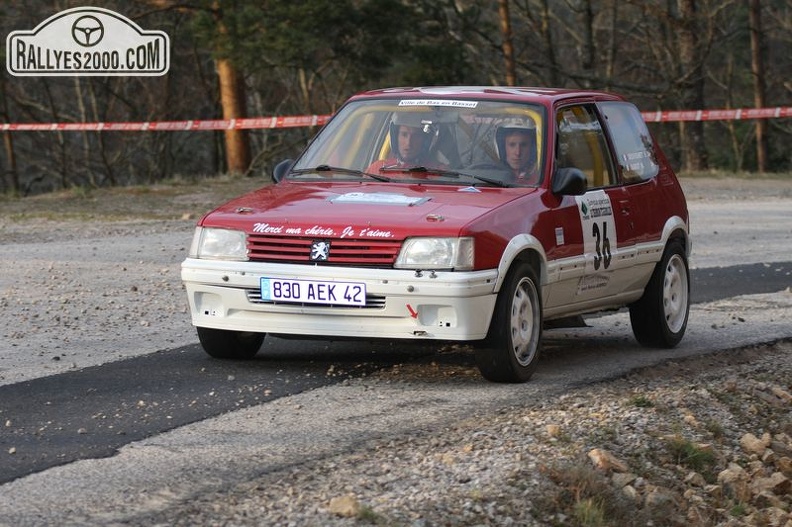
point(698, 441)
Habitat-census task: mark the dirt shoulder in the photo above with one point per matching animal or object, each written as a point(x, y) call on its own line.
point(178, 200)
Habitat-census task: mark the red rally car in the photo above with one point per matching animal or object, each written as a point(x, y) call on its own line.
point(472, 214)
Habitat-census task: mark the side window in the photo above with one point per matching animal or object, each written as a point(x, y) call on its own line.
point(581, 144)
point(631, 140)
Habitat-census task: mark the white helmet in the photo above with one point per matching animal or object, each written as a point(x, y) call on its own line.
point(418, 120)
point(511, 125)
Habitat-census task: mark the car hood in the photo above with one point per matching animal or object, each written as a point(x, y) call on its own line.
point(355, 209)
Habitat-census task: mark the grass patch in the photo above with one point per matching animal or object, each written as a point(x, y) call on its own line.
point(738, 510)
point(690, 455)
point(585, 497)
point(641, 401)
point(372, 517)
point(590, 512)
point(715, 428)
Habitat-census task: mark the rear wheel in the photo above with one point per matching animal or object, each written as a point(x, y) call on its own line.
point(226, 344)
point(660, 317)
point(511, 352)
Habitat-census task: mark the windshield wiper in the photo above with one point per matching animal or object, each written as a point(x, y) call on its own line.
point(491, 181)
point(419, 169)
point(447, 173)
point(340, 170)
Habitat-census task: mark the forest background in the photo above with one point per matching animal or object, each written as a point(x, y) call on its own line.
point(259, 58)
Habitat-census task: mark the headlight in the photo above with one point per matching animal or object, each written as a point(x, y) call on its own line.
point(436, 253)
point(218, 244)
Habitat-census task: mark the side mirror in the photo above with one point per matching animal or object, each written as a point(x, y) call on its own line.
point(281, 169)
point(569, 182)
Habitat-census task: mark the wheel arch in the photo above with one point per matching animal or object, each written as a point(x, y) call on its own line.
point(523, 248)
point(676, 228)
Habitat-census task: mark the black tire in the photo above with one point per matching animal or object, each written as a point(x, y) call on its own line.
point(660, 317)
point(511, 352)
point(225, 344)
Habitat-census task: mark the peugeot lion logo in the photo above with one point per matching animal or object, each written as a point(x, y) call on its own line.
point(320, 250)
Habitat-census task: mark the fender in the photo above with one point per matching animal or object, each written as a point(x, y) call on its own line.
point(517, 245)
point(652, 252)
point(673, 224)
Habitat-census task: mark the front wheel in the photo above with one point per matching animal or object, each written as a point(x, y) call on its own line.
point(511, 352)
point(660, 317)
point(226, 344)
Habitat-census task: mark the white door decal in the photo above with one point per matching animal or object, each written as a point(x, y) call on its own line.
point(599, 230)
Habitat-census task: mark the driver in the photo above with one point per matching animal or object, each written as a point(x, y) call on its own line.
point(411, 139)
point(515, 142)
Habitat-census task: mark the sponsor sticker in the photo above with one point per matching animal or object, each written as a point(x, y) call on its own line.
point(590, 283)
point(87, 41)
point(438, 102)
point(378, 198)
point(599, 229)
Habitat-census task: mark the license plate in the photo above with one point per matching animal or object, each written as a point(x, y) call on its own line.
point(313, 292)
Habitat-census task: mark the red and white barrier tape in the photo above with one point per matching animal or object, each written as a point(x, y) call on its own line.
point(298, 121)
point(718, 115)
point(174, 126)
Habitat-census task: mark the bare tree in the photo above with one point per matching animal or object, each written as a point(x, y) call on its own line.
point(758, 72)
point(690, 82)
point(508, 45)
point(232, 100)
point(11, 175)
point(230, 80)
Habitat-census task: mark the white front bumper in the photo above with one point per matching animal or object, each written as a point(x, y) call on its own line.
point(405, 304)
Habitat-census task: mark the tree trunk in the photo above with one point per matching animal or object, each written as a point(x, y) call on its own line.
point(589, 52)
point(611, 52)
point(691, 85)
point(232, 99)
point(86, 140)
point(758, 71)
point(508, 46)
point(547, 37)
point(12, 176)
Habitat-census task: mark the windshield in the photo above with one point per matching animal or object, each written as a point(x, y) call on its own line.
point(464, 142)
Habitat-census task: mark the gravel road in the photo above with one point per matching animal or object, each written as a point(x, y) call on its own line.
point(77, 292)
point(417, 447)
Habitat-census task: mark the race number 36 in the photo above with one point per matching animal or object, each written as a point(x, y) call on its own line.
point(602, 251)
point(599, 229)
